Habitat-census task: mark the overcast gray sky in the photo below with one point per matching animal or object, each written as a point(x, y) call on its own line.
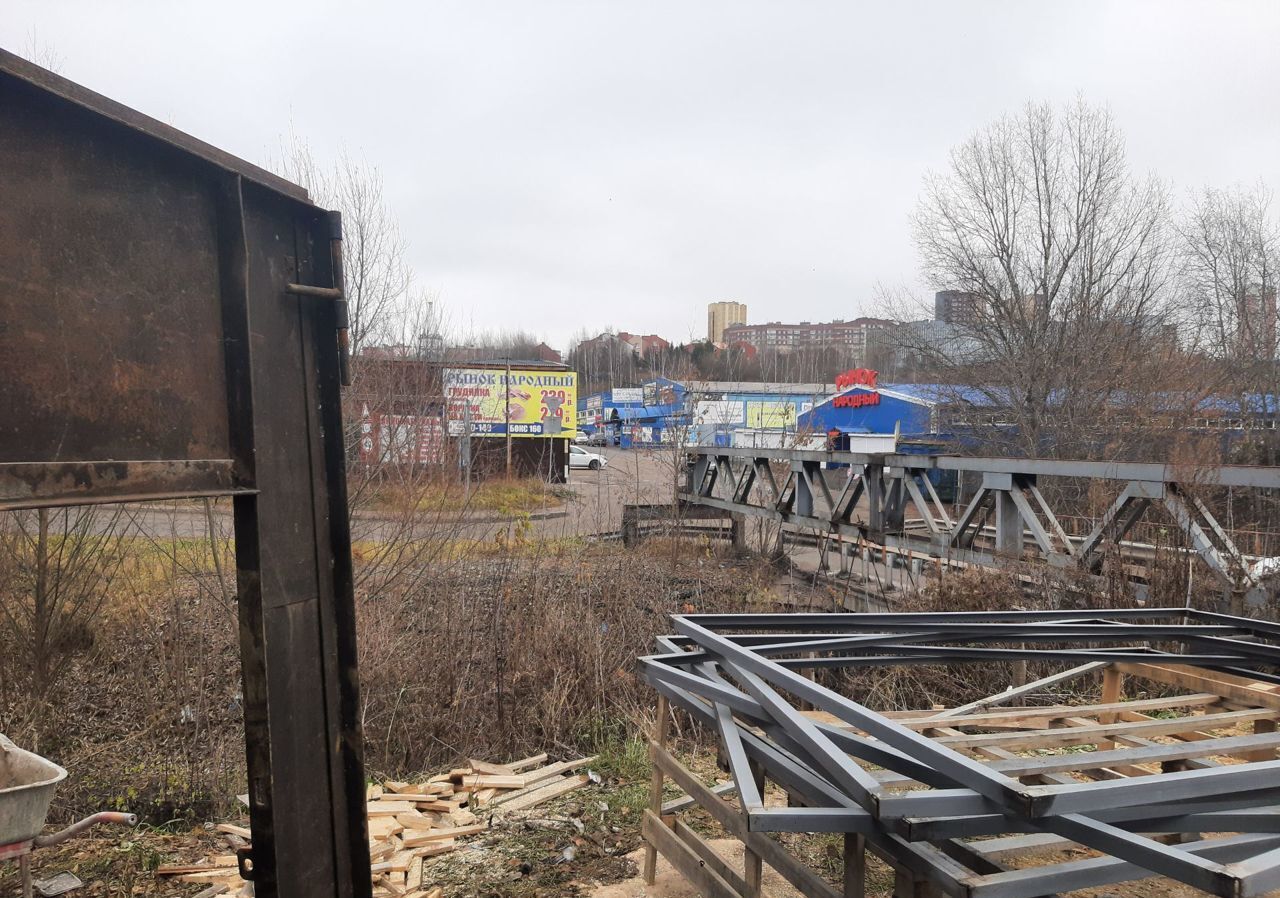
point(567, 165)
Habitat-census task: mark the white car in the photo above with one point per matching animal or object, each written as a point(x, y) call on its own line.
point(581, 458)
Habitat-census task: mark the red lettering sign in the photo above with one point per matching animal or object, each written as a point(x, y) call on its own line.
point(857, 377)
point(856, 400)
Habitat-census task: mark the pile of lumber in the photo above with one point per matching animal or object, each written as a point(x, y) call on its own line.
point(410, 822)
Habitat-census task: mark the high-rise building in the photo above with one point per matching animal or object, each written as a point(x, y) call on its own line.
point(722, 314)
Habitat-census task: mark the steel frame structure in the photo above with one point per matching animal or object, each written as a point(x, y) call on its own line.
point(822, 491)
point(172, 325)
point(926, 793)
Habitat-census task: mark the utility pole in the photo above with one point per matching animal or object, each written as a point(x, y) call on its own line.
point(506, 405)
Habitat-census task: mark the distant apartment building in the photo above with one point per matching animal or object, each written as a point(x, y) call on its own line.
point(1256, 317)
point(640, 344)
point(860, 336)
point(957, 307)
point(721, 315)
point(644, 344)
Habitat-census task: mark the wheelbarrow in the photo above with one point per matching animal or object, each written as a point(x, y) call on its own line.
point(27, 784)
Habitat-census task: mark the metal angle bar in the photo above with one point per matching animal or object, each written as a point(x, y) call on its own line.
point(913, 490)
point(1031, 522)
point(1258, 874)
point(1135, 654)
point(1233, 814)
point(1068, 546)
point(937, 500)
point(813, 473)
point(950, 763)
point(808, 620)
point(1099, 871)
point(784, 769)
point(745, 483)
point(1168, 786)
point(1199, 539)
point(764, 473)
point(1227, 544)
point(969, 515)
point(849, 496)
point(739, 768)
point(1091, 543)
point(856, 782)
point(807, 820)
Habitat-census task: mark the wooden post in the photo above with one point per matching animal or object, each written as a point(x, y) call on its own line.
point(655, 789)
point(1112, 687)
point(855, 866)
point(904, 884)
point(1264, 754)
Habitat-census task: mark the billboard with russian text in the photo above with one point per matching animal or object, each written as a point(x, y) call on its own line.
point(525, 403)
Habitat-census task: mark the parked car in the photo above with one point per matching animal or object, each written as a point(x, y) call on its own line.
point(598, 438)
point(581, 458)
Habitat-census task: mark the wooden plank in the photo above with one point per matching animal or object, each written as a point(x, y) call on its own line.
point(553, 790)
point(388, 808)
point(1051, 711)
point(1198, 679)
point(771, 851)
point(1091, 734)
point(537, 778)
point(1113, 771)
point(526, 763)
point(1112, 685)
point(418, 838)
point(491, 769)
point(709, 856)
point(490, 781)
point(1236, 746)
point(533, 777)
point(1262, 728)
point(683, 858)
point(231, 829)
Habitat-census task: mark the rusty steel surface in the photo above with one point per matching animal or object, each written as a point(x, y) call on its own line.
point(111, 336)
point(150, 346)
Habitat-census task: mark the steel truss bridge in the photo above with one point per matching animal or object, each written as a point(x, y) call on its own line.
point(890, 503)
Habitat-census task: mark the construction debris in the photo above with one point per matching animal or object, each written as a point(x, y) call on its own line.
point(411, 822)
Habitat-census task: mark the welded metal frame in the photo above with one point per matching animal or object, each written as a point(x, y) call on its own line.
point(198, 323)
point(734, 672)
point(820, 491)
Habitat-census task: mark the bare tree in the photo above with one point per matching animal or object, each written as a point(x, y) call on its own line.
point(378, 276)
point(42, 53)
point(58, 566)
point(1064, 257)
point(1231, 254)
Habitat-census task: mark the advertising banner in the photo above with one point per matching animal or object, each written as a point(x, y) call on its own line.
point(531, 403)
point(623, 395)
point(775, 415)
point(718, 413)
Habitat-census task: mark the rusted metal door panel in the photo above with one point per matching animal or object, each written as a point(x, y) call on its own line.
point(116, 302)
point(149, 347)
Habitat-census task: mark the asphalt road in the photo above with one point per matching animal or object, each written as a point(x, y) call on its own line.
point(631, 476)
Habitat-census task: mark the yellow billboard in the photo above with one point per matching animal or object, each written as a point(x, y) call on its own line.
point(771, 415)
point(525, 403)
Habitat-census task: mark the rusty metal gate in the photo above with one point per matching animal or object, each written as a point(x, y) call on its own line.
point(169, 327)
